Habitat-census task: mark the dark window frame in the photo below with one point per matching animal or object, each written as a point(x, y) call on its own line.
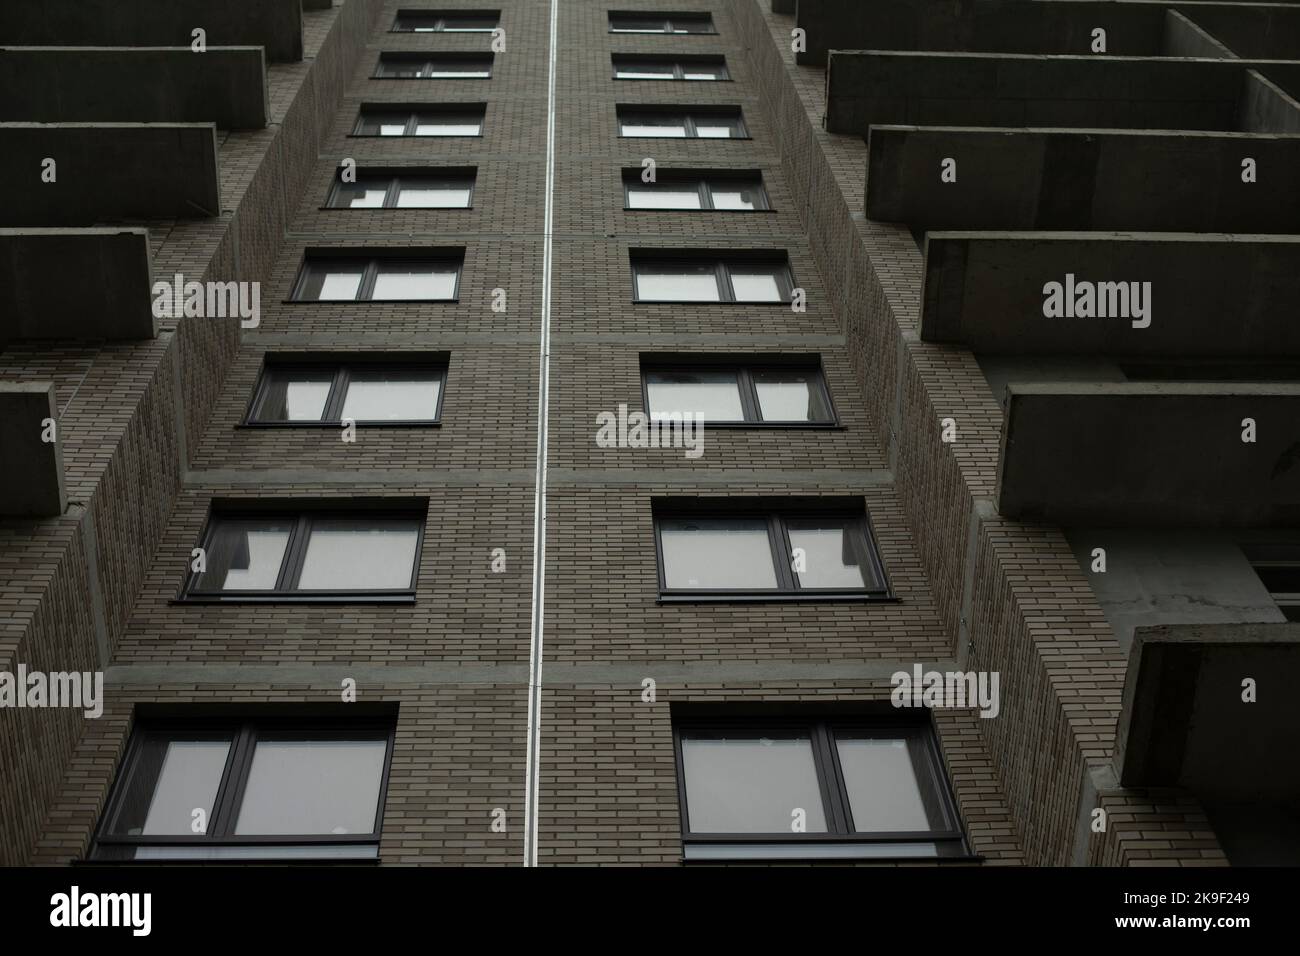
point(704, 183)
point(722, 268)
point(688, 116)
point(243, 733)
point(745, 367)
point(414, 115)
point(776, 518)
point(668, 19)
point(370, 272)
point(836, 805)
point(285, 591)
point(342, 371)
point(393, 178)
point(678, 64)
point(441, 16)
point(429, 63)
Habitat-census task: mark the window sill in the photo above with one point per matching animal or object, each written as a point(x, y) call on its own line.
point(355, 597)
point(393, 208)
point(662, 33)
point(431, 79)
point(415, 136)
point(778, 597)
point(785, 304)
point(335, 426)
point(367, 301)
point(667, 79)
point(743, 212)
point(767, 426)
point(708, 139)
point(759, 852)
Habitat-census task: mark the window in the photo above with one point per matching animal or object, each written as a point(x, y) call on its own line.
point(1278, 567)
point(376, 390)
point(683, 190)
point(391, 279)
point(723, 123)
point(255, 789)
point(737, 392)
point(630, 22)
point(443, 66)
point(405, 189)
point(311, 554)
point(722, 550)
point(451, 21)
point(697, 279)
point(421, 121)
point(630, 66)
point(862, 788)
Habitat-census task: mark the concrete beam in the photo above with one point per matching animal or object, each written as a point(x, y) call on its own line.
point(1151, 454)
point(1083, 179)
point(225, 85)
point(978, 26)
point(1183, 722)
point(275, 25)
point(1215, 296)
point(875, 87)
point(75, 284)
point(31, 481)
point(109, 171)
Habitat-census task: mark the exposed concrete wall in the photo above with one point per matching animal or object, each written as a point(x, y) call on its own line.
point(1151, 454)
point(108, 172)
point(38, 301)
point(1162, 293)
point(224, 85)
point(1266, 107)
point(1087, 179)
point(1265, 31)
point(273, 24)
point(31, 482)
point(1182, 37)
point(977, 26)
point(1155, 577)
point(956, 89)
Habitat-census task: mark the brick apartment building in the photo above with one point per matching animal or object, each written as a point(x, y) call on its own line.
point(306, 548)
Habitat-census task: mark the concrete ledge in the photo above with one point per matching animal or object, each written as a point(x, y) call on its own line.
point(1083, 179)
point(75, 284)
point(109, 171)
point(1167, 454)
point(1184, 723)
point(225, 85)
point(275, 25)
point(978, 26)
point(875, 87)
point(31, 481)
point(1208, 295)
